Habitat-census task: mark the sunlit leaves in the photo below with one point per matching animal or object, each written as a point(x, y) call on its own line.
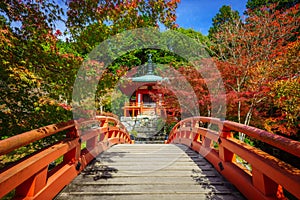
point(280, 4)
point(120, 15)
point(253, 56)
point(32, 64)
point(224, 17)
point(286, 101)
point(283, 110)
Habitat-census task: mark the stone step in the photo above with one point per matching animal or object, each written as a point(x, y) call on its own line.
point(147, 196)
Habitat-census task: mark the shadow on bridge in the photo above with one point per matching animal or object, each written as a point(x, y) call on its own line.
point(150, 171)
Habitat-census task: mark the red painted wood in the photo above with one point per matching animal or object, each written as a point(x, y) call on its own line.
point(31, 177)
point(269, 173)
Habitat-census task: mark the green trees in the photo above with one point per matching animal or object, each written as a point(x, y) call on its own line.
point(224, 17)
point(91, 22)
point(32, 84)
point(38, 70)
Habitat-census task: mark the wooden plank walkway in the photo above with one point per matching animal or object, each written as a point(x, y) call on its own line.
point(149, 171)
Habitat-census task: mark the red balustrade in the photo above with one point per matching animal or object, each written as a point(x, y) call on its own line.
point(268, 175)
point(31, 177)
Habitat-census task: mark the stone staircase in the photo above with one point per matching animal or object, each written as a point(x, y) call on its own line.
point(143, 126)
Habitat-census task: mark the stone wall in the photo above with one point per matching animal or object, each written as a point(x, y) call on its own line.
point(143, 126)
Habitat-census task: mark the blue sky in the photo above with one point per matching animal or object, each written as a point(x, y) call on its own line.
point(198, 14)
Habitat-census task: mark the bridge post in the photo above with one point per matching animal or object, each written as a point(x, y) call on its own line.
point(91, 143)
point(206, 142)
point(224, 154)
point(33, 185)
point(263, 183)
point(73, 155)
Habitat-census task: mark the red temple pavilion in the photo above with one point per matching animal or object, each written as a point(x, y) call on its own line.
point(140, 89)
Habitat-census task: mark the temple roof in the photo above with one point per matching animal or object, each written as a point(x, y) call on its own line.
point(149, 77)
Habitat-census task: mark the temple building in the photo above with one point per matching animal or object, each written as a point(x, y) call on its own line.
point(141, 102)
point(142, 112)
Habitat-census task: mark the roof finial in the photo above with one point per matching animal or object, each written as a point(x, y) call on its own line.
point(150, 65)
point(149, 57)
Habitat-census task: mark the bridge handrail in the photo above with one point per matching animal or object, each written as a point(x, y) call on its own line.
point(23, 139)
point(268, 174)
point(31, 176)
point(283, 143)
point(108, 119)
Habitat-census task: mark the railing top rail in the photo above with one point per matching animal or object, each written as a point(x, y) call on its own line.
point(283, 143)
point(23, 139)
point(31, 177)
point(28, 137)
point(116, 121)
point(263, 177)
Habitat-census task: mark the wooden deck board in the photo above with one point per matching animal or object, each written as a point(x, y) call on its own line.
point(149, 171)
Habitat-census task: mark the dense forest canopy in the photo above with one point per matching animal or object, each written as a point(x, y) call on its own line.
point(258, 59)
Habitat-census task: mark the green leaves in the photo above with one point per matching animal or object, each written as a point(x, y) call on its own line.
point(31, 67)
point(225, 16)
point(115, 17)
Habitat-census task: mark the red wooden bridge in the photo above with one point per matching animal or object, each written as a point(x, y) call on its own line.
point(99, 160)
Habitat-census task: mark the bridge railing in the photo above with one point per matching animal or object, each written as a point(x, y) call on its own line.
point(31, 176)
point(264, 177)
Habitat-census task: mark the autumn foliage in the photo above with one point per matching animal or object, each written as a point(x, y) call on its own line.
point(259, 61)
point(258, 58)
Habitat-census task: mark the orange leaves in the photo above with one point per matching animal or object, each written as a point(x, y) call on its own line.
point(5, 38)
point(284, 91)
point(172, 3)
point(286, 98)
point(65, 106)
point(58, 33)
point(120, 15)
point(254, 56)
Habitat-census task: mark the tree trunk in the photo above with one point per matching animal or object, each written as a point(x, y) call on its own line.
point(241, 135)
